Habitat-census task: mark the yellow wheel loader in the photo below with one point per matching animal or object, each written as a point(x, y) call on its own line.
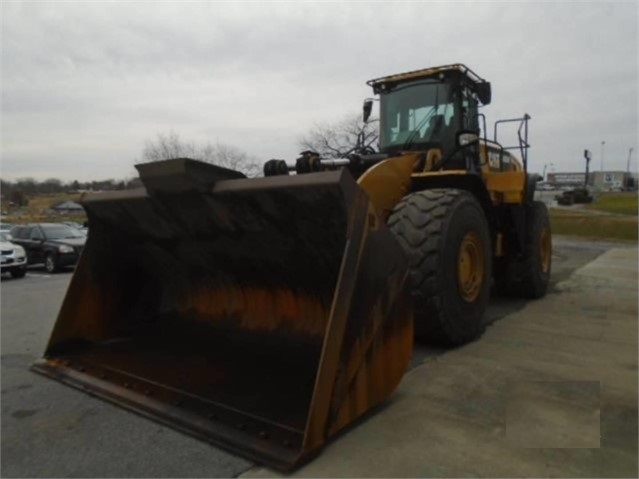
point(264, 315)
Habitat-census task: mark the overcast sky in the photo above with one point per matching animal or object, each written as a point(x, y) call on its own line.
point(84, 85)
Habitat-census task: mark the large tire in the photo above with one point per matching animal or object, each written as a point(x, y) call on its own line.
point(528, 276)
point(445, 234)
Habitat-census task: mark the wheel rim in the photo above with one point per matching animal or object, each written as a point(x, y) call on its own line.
point(49, 263)
point(544, 250)
point(470, 267)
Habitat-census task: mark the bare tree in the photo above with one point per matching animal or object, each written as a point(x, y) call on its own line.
point(51, 185)
point(170, 145)
point(230, 157)
point(335, 140)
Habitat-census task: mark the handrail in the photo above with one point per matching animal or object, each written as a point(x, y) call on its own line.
point(523, 141)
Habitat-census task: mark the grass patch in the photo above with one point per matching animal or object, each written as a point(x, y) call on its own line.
point(594, 226)
point(37, 211)
point(41, 203)
point(620, 203)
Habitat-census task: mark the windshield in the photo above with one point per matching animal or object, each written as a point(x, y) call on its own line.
point(5, 237)
point(61, 232)
point(416, 113)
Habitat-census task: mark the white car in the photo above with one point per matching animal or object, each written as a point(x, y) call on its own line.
point(14, 259)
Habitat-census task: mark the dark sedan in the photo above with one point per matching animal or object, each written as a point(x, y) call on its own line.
point(54, 244)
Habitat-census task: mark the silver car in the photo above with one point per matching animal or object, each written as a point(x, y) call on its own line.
point(14, 259)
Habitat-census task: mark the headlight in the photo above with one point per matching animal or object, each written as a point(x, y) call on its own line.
point(466, 138)
point(65, 249)
point(18, 250)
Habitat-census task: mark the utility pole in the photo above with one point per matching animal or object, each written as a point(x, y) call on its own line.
point(629, 181)
point(588, 157)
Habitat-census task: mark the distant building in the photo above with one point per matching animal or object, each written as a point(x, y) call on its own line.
point(609, 179)
point(604, 180)
point(566, 179)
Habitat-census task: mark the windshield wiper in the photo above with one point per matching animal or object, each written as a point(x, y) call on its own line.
point(411, 138)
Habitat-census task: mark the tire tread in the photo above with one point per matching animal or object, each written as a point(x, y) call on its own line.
point(418, 222)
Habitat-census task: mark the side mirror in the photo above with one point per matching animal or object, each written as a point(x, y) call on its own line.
point(484, 92)
point(466, 137)
point(368, 107)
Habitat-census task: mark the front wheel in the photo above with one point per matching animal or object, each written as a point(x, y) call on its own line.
point(445, 235)
point(50, 263)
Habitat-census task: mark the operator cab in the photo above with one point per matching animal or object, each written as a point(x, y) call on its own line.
point(426, 109)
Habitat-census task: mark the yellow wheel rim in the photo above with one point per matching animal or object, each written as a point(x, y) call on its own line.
point(544, 250)
point(470, 266)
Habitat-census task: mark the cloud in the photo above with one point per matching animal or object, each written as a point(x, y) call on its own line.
point(85, 84)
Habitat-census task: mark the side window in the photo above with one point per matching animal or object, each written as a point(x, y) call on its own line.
point(36, 234)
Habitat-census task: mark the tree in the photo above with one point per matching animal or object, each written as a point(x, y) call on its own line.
point(168, 146)
point(27, 185)
point(51, 185)
point(6, 187)
point(338, 139)
point(18, 198)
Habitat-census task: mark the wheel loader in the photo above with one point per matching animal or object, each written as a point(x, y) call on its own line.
point(265, 315)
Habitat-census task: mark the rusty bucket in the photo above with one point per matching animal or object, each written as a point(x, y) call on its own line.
point(262, 315)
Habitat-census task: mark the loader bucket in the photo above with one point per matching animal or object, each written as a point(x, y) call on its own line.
point(262, 315)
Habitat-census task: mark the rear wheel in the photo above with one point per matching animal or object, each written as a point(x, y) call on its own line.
point(528, 276)
point(50, 263)
point(445, 235)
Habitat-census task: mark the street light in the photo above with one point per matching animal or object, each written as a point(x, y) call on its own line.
point(603, 143)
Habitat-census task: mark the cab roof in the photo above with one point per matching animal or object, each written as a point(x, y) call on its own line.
point(388, 82)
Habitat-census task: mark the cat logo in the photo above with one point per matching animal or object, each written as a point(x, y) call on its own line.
point(493, 159)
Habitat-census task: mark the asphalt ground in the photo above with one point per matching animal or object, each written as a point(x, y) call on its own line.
point(550, 390)
point(50, 430)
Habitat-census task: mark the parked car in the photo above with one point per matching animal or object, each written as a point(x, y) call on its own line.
point(14, 258)
point(82, 229)
point(54, 244)
point(72, 224)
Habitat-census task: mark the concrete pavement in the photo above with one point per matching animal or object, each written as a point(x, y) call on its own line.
point(51, 430)
point(550, 390)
